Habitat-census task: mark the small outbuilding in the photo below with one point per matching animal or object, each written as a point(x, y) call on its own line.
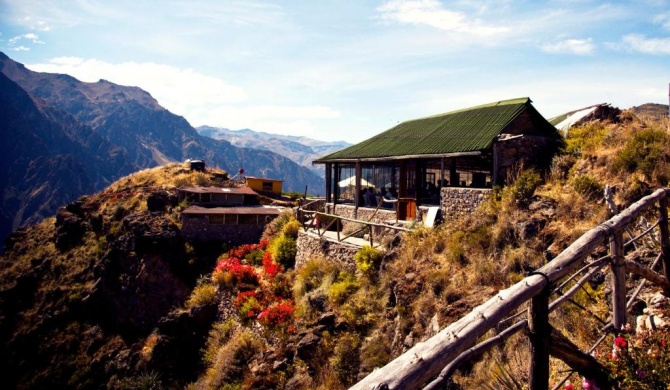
point(265, 185)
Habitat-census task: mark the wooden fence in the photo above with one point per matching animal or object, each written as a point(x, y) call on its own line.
point(322, 222)
point(429, 364)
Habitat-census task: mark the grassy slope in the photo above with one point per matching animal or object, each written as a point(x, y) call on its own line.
point(436, 276)
point(345, 324)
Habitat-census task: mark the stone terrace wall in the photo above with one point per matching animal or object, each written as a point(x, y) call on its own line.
point(197, 229)
point(311, 246)
point(456, 202)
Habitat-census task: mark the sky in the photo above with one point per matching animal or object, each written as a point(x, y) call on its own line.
point(350, 69)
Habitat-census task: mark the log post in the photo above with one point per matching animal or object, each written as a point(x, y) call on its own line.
point(665, 239)
point(562, 348)
point(538, 326)
point(618, 281)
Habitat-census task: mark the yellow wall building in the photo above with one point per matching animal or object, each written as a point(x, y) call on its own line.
point(262, 184)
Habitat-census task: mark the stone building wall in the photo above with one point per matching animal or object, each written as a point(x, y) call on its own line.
point(525, 150)
point(364, 214)
point(312, 246)
point(456, 202)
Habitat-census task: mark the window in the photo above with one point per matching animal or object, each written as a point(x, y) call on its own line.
point(205, 198)
point(267, 186)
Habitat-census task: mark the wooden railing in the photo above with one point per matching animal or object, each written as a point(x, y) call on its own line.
point(322, 222)
point(429, 364)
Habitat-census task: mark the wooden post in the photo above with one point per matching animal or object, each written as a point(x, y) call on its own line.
point(665, 239)
point(539, 329)
point(357, 195)
point(618, 281)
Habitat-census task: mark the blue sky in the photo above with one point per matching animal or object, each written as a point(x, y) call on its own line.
point(347, 70)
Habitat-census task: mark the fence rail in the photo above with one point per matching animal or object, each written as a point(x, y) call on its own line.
point(429, 363)
point(322, 222)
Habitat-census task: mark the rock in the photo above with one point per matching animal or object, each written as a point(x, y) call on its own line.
point(530, 228)
point(160, 201)
point(409, 341)
point(70, 229)
point(327, 320)
point(659, 301)
point(410, 276)
point(637, 308)
point(307, 346)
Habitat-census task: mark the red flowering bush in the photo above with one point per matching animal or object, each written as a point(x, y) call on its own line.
point(270, 268)
point(247, 304)
point(277, 314)
point(230, 271)
point(641, 361)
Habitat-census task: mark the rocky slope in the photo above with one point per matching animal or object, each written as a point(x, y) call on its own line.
point(84, 294)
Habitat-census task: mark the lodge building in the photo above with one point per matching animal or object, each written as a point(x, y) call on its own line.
point(441, 159)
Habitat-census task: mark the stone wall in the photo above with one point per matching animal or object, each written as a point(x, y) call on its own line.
point(363, 214)
point(456, 202)
point(526, 150)
point(196, 228)
point(312, 246)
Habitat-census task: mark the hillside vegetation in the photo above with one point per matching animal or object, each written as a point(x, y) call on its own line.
point(108, 294)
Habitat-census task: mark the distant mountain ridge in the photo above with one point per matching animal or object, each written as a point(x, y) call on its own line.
point(63, 138)
point(302, 150)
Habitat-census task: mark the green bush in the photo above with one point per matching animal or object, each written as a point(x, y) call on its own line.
point(291, 229)
point(203, 294)
point(284, 249)
point(342, 289)
point(368, 260)
point(346, 360)
point(522, 190)
point(312, 275)
point(588, 186)
point(643, 152)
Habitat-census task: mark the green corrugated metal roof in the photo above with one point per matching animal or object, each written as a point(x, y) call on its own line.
point(467, 130)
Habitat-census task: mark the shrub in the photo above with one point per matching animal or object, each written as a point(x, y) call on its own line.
point(346, 360)
point(641, 361)
point(368, 260)
point(588, 186)
point(270, 268)
point(643, 152)
point(230, 272)
point(343, 288)
point(203, 294)
point(312, 275)
point(522, 190)
point(586, 139)
point(277, 314)
point(284, 249)
point(561, 165)
point(247, 304)
point(291, 229)
point(456, 249)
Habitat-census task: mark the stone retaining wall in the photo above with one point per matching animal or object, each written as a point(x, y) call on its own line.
point(196, 228)
point(456, 202)
point(311, 246)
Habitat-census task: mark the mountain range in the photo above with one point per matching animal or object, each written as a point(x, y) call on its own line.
point(302, 150)
point(62, 138)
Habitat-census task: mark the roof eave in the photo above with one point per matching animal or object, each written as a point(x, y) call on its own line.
point(395, 158)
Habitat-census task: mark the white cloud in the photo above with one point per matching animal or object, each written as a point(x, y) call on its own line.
point(201, 99)
point(642, 44)
point(432, 13)
point(20, 48)
point(663, 20)
point(30, 37)
point(179, 90)
point(570, 46)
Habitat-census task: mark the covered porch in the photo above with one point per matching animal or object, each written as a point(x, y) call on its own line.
point(412, 182)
